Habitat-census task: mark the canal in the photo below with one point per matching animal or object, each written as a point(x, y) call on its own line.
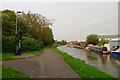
point(103, 62)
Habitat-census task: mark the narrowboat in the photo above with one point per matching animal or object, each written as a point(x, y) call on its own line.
point(102, 50)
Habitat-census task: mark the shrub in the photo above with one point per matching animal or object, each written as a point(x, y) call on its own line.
point(8, 44)
point(28, 44)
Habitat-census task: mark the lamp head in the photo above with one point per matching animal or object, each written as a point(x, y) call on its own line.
point(19, 12)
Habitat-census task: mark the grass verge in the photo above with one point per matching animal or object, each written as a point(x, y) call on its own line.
point(8, 72)
point(82, 69)
point(12, 56)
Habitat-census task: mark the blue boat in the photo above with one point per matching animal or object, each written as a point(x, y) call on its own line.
point(115, 53)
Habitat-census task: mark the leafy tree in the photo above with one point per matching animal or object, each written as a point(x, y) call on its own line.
point(8, 22)
point(38, 27)
point(29, 24)
point(92, 39)
point(103, 41)
point(62, 42)
point(47, 36)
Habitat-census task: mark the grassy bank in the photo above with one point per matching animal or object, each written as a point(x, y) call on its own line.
point(12, 56)
point(8, 72)
point(84, 70)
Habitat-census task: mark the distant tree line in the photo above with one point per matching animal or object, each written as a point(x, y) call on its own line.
point(62, 42)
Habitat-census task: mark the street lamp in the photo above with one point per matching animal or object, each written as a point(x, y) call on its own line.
point(16, 19)
point(17, 38)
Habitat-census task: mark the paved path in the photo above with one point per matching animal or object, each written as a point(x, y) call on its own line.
point(48, 65)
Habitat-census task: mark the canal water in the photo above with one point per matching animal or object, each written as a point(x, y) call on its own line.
point(104, 62)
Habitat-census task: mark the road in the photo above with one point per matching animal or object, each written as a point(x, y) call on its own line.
point(48, 65)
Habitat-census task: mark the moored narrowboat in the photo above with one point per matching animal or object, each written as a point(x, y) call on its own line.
point(102, 50)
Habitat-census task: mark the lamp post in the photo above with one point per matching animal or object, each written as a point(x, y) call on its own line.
point(17, 38)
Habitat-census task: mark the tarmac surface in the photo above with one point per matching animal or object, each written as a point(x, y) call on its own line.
point(48, 65)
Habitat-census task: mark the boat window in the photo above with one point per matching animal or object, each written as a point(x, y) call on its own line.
point(118, 47)
point(104, 49)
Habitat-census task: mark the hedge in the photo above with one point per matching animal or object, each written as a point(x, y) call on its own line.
point(28, 44)
point(8, 44)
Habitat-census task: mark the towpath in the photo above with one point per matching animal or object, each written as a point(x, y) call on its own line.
point(48, 65)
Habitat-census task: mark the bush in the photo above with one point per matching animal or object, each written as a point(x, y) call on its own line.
point(8, 44)
point(28, 44)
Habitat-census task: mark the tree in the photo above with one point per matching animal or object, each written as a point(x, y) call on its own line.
point(9, 23)
point(47, 36)
point(92, 39)
point(103, 41)
point(62, 42)
point(29, 24)
point(37, 24)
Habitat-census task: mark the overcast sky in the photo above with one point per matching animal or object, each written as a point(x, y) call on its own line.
point(74, 20)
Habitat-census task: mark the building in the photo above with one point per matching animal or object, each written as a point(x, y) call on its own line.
point(114, 42)
point(108, 37)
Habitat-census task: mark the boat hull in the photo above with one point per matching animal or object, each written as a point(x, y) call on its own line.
point(115, 54)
